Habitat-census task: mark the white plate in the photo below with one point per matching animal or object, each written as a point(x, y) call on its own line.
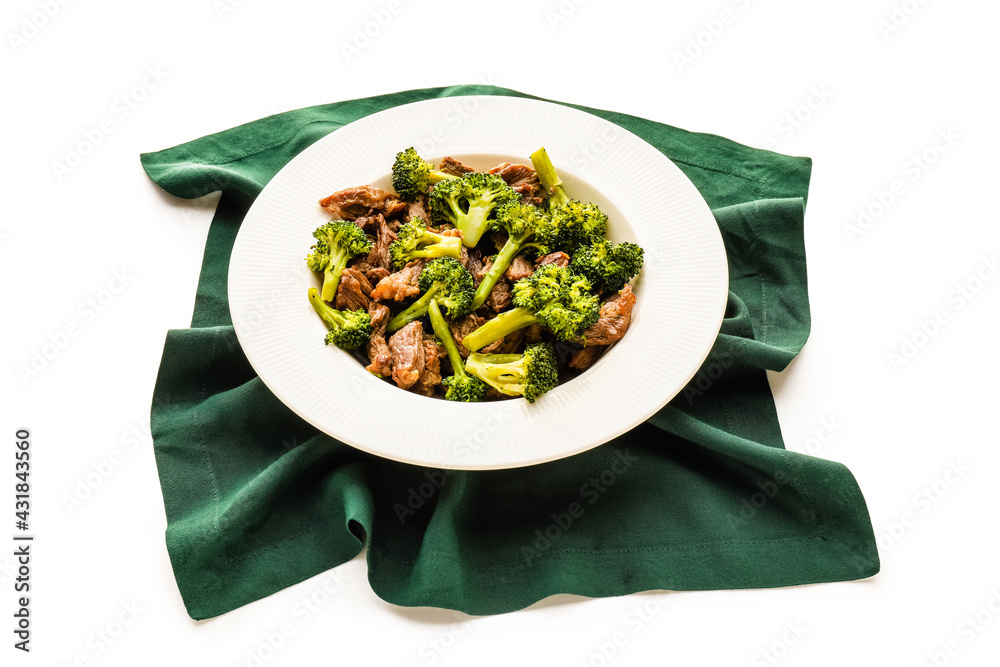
point(681, 292)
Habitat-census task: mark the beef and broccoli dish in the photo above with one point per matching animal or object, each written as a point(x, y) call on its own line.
point(471, 285)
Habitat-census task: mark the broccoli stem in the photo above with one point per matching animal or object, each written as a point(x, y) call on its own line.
point(436, 176)
point(443, 333)
point(475, 223)
point(332, 318)
point(331, 276)
point(416, 310)
point(549, 178)
point(448, 246)
point(503, 372)
point(500, 265)
point(506, 322)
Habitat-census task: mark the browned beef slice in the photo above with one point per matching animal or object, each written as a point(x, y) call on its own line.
point(558, 258)
point(378, 349)
point(475, 265)
point(418, 209)
point(500, 298)
point(372, 273)
point(499, 238)
point(493, 347)
point(522, 179)
point(616, 314)
point(519, 268)
point(354, 292)
point(366, 221)
point(452, 166)
point(510, 344)
point(354, 203)
point(407, 348)
point(431, 377)
point(401, 285)
point(462, 327)
point(533, 333)
point(384, 236)
point(585, 358)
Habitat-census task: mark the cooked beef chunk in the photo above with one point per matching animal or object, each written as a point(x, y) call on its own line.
point(378, 349)
point(454, 167)
point(418, 209)
point(499, 238)
point(519, 268)
point(523, 180)
point(401, 285)
point(354, 292)
point(367, 221)
point(353, 203)
point(475, 265)
point(500, 298)
point(431, 377)
point(512, 343)
point(407, 348)
point(384, 236)
point(486, 266)
point(493, 347)
point(585, 358)
point(462, 327)
point(616, 314)
point(533, 333)
point(372, 273)
point(376, 274)
point(558, 258)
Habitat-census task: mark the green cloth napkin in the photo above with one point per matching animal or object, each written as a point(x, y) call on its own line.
point(701, 496)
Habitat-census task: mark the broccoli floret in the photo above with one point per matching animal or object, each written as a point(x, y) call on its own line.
point(444, 280)
point(530, 374)
point(574, 223)
point(554, 297)
point(336, 242)
point(461, 386)
point(523, 223)
point(412, 175)
point(348, 329)
point(415, 241)
point(608, 265)
point(468, 201)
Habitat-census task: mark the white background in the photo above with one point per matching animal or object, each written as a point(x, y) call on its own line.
point(879, 95)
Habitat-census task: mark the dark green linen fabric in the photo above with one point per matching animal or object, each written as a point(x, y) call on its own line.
point(701, 496)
